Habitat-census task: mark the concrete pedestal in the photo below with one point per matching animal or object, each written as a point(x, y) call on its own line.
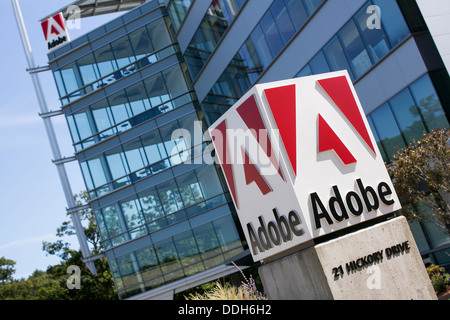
point(381, 262)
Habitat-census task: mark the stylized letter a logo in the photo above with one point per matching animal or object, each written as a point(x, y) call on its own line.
point(53, 26)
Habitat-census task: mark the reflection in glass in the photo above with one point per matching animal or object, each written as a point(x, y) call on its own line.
point(429, 105)
point(355, 50)
point(129, 107)
point(319, 64)
point(388, 131)
point(148, 263)
point(271, 33)
point(376, 40)
point(177, 11)
point(114, 61)
point(392, 21)
point(214, 24)
point(168, 259)
point(336, 57)
point(407, 116)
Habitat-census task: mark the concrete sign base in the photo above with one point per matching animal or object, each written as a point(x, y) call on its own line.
point(381, 262)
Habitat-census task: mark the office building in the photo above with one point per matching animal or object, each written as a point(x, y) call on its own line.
point(128, 85)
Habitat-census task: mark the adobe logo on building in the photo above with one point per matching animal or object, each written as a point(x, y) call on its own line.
point(301, 162)
point(55, 31)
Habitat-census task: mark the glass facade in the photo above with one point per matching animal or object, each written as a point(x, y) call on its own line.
point(130, 107)
point(407, 116)
point(356, 48)
point(277, 27)
point(159, 219)
point(214, 24)
point(177, 11)
point(148, 154)
point(114, 61)
point(124, 92)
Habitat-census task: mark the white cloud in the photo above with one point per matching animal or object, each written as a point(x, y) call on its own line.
point(27, 241)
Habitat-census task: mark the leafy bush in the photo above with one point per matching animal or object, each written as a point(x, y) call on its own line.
point(246, 291)
point(439, 279)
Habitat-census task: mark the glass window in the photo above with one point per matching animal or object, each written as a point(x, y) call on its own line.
point(230, 8)
point(377, 138)
point(128, 269)
point(205, 39)
point(86, 175)
point(97, 169)
point(319, 64)
point(174, 151)
point(312, 5)
point(388, 131)
point(117, 163)
point(120, 107)
point(187, 248)
point(88, 69)
point(283, 20)
point(112, 221)
point(272, 34)
point(190, 189)
point(306, 71)
point(84, 124)
point(151, 205)
point(227, 233)
point(73, 129)
point(407, 116)
point(177, 11)
point(153, 146)
point(102, 115)
point(59, 83)
point(156, 89)
point(123, 52)
point(101, 224)
point(137, 97)
point(428, 102)
point(336, 57)
point(71, 77)
point(209, 181)
point(170, 196)
point(355, 49)
point(190, 123)
point(132, 214)
point(208, 34)
point(159, 35)
point(105, 60)
point(141, 43)
point(174, 79)
point(208, 243)
point(260, 45)
point(148, 263)
point(298, 12)
point(393, 21)
point(376, 40)
point(168, 259)
point(135, 155)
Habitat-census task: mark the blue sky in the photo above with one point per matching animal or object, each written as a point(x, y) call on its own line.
point(31, 197)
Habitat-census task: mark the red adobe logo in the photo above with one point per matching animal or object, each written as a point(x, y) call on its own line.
point(53, 25)
point(300, 162)
point(282, 103)
point(55, 32)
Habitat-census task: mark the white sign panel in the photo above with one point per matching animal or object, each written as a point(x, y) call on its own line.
point(55, 31)
point(301, 162)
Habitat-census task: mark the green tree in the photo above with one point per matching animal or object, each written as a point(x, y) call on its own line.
point(421, 177)
point(39, 286)
point(52, 284)
point(6, 270)
point(93, 287)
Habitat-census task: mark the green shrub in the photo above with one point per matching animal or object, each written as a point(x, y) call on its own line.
point(438, 277)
